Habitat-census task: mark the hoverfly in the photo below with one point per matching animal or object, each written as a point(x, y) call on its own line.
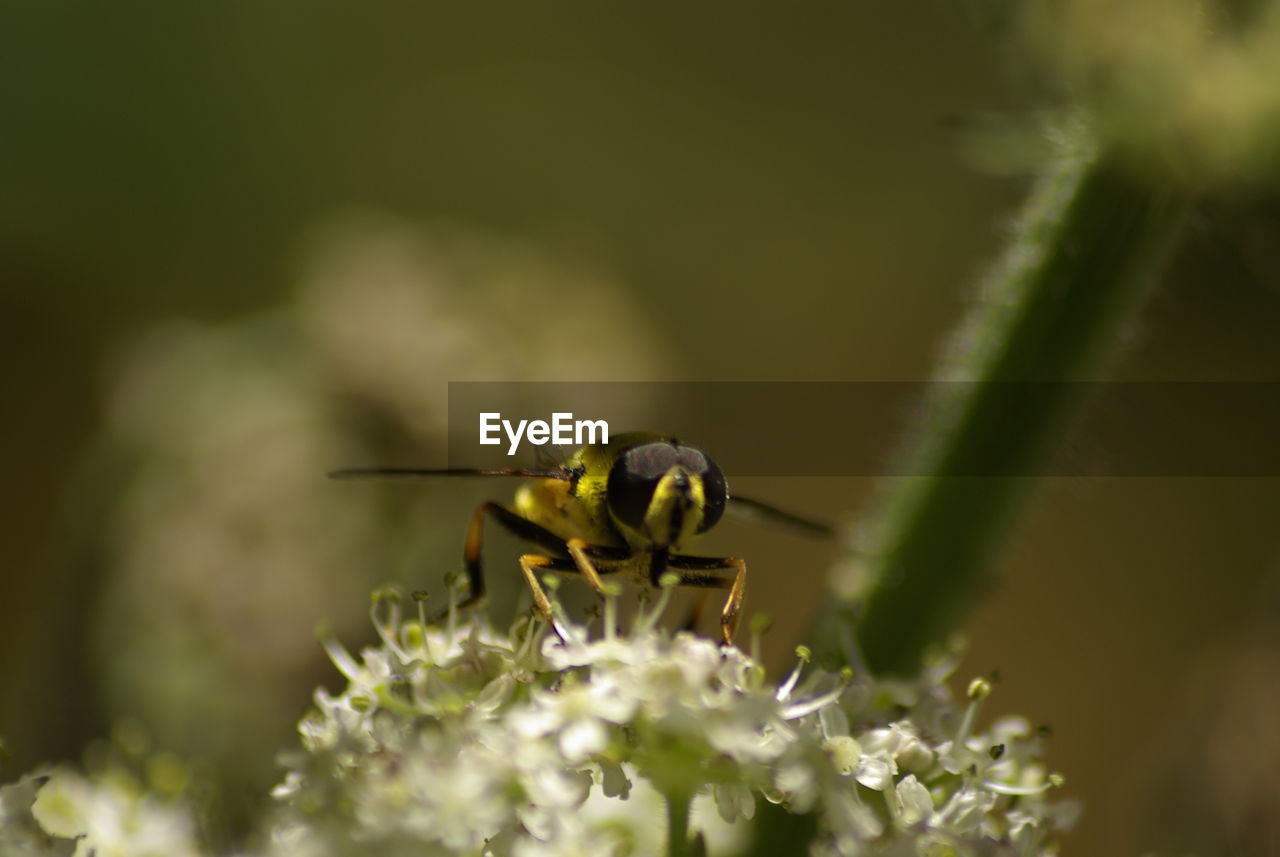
point(630, 507)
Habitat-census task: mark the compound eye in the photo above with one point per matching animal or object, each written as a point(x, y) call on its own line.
point(715, 493)
point(633, 479)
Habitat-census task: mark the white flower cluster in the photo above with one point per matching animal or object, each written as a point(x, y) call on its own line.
point(462, 741)
point(550, 742)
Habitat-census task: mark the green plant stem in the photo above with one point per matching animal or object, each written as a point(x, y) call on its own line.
point(678, 824)
point(1090, 239)
point(780, 833)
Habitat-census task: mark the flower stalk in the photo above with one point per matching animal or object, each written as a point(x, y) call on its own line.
point(678, 844)
point(1077, 269)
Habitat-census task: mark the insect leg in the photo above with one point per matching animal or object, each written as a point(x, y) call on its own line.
point(530, 565)
point(519, 527)
point(578, 550)
point(693, 573)
point(733, 604)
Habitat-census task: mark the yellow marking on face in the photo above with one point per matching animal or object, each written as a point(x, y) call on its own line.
point(669, 501)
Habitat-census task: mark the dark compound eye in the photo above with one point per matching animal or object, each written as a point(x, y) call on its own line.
point(635, 476)
point(633, 479)
point(714, 490)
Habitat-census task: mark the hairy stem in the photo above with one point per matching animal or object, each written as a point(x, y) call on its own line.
point(678, 844)
point(1088, 242)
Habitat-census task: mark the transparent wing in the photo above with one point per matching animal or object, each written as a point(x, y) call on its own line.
point(745, 508)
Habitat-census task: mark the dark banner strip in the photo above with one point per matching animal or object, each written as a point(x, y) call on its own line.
point(858, 428)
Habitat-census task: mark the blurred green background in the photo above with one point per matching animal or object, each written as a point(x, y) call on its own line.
point(243, 244)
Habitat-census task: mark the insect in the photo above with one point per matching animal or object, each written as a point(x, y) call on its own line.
point(630, 507)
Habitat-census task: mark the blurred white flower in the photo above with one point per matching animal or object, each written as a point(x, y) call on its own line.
point(112, 816)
